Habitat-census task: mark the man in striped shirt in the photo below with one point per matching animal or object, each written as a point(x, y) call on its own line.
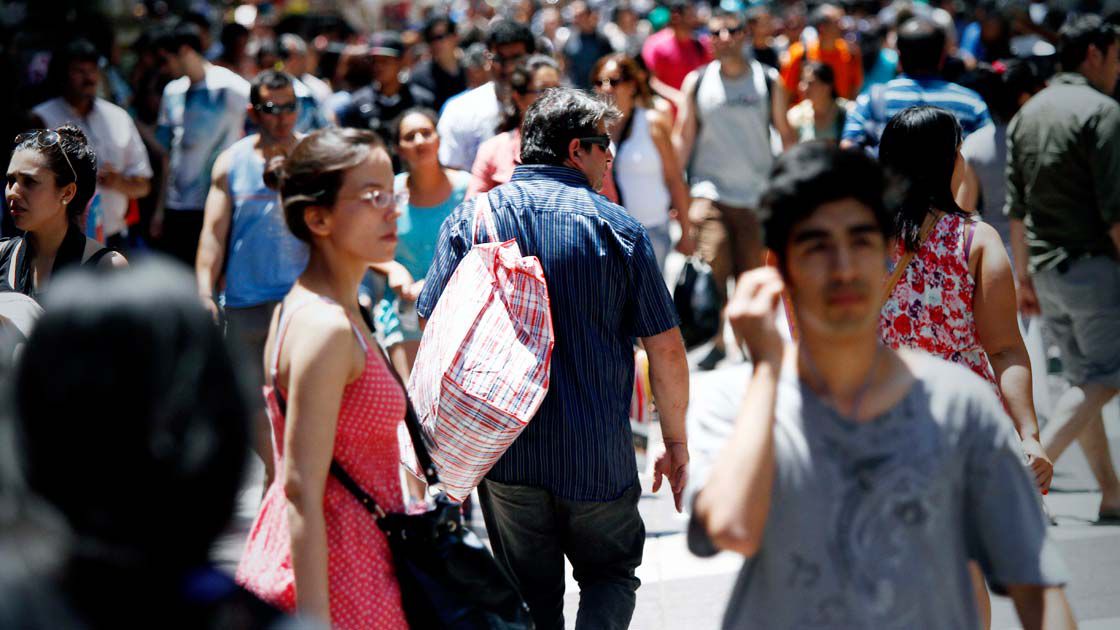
point(921, 51)
point(568, 486)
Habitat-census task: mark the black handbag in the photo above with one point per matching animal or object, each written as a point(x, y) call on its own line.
point(698, 302)
point(448, 579)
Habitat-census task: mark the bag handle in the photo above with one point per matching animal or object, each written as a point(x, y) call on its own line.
point(484, 214)
point(13, 262)
point(904, 262)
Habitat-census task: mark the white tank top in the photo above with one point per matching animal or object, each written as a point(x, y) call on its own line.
point(733, 156)
point(639, 175)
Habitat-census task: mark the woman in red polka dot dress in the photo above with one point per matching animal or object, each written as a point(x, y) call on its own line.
point(313, 548)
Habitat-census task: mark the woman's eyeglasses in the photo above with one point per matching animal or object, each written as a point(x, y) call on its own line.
point(44, 139)
point(268, 107)
point(380, 199)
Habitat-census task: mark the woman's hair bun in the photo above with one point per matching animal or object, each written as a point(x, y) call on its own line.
point(74, 134)
point(275, 172)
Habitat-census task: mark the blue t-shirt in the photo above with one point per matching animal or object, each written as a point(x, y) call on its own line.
point(418, 226)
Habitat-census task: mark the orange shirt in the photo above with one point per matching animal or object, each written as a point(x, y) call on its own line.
point(845, 63)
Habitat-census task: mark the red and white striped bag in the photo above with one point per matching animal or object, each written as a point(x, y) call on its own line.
point(482, 369)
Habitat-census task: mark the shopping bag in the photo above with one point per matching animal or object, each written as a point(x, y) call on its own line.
point(482, 369)
point(698, 302)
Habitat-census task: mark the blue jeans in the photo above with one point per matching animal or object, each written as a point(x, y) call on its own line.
point(531, 531)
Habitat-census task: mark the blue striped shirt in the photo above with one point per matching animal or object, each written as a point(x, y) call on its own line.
point(605, 290)
point(875, 107)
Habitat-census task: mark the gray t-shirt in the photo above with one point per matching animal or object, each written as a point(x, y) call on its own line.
point(871, 524)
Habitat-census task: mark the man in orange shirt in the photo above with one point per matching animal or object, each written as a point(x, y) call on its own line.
point(830, 48)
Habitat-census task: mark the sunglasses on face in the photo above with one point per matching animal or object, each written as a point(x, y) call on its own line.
point(730, 30)
point(501, 61)
point(275, 109)
point(44, 139)
point(610, 81)
point(603, 141)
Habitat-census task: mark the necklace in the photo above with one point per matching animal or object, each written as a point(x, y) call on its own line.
point(826, 393)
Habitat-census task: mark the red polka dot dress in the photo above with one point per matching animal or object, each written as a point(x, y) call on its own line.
point(363, 588)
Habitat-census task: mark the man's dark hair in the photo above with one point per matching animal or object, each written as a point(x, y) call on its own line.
point(1080, 33)
point(559, 116)
point(677, 6)
point(921, 47)
point(505, 32)
point(198, 19)
point(182, 35)
point(230, 34)
point(80, 50)
point(271, 79)
point(812, 174)
point(434, 22)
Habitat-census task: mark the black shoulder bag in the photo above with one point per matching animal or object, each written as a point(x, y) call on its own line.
point(448, 579)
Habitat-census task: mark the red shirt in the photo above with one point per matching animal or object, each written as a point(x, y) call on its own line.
point(670, 59)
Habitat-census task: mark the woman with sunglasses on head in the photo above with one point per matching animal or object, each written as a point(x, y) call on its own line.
point(426, 194)
point(51, 178)
point(646, 171)
point(331, 396)
point(496, 157)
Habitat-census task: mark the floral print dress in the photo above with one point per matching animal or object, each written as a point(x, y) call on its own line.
point(930, 309)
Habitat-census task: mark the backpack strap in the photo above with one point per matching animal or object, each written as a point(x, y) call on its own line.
point(695, 98)
point(13, 260)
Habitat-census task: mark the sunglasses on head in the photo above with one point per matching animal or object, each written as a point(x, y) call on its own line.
point(268, 107)
point(44, 139)
point(603, 141)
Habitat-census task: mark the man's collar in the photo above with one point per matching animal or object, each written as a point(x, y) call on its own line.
point(562, 174)
point(1070, 78)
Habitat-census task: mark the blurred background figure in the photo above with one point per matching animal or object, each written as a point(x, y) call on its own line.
point(498, 156)
point(821, 115)
point(160, 468)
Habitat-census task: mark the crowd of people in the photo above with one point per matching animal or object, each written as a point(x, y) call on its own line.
point(882, 192)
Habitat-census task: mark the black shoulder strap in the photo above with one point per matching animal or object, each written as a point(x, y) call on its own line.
point(97, 256)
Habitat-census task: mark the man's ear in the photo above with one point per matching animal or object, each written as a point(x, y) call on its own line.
point(573, 148)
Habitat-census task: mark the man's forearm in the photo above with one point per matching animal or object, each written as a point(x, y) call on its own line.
point(668, 378)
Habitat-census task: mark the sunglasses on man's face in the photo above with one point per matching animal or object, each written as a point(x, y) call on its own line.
point(44, 139)
point(603, 141)
point(275, 109)
point(730, 30)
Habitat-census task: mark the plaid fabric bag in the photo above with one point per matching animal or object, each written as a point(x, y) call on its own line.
point(482, 369)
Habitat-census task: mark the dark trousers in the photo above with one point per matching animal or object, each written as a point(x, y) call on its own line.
point(181, 231)
point(531, 531)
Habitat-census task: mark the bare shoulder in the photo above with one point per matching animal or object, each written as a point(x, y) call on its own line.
point(221, 166)
point(113, 260)
point(659, 121)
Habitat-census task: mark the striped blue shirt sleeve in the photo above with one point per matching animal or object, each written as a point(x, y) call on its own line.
point(649, 309)
point(855, 126)
point(450, 250)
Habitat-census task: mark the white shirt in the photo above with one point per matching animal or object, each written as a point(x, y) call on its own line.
point(114, 138)
point(467, 122)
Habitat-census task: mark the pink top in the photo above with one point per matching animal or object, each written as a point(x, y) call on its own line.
point(670, 60)
point(930, 308)
point(495, 161)
point(362, 584)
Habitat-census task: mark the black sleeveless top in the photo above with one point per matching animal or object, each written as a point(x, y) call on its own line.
point(16, 254)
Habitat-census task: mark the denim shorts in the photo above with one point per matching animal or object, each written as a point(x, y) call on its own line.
point(1081, 309)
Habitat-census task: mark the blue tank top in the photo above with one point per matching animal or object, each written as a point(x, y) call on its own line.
point(263, 259)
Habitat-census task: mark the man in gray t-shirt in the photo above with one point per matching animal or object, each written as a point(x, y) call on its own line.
point(859, 481)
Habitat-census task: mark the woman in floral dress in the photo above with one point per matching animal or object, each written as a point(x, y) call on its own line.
point(956, 296)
